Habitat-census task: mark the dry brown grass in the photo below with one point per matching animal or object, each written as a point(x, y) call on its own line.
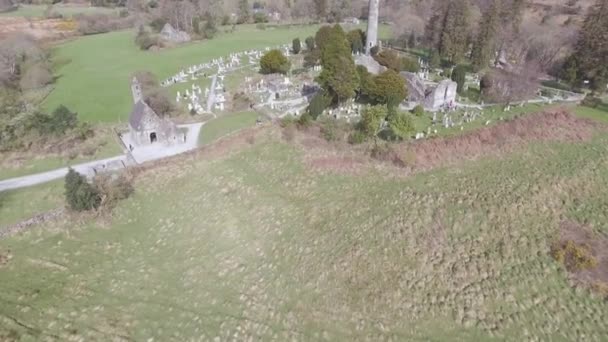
point(591, 269)
point(552, 126)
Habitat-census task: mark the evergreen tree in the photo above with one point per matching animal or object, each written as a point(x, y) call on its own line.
point(411, 41)
point(244, 14)
point(79, 194)
point(455, 31)
point(459, 76)
point(323, 36)
point(310, 43)
point(590, 57)
point(434, 59)
point(296, 46)
point(356, 39)
point(339, 76)
point(321, 9)
point(485, 46)
point(434, 27)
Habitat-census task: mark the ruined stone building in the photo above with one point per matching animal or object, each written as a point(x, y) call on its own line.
point(146, 127)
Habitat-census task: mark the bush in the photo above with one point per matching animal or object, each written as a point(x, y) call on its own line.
point(287, 121)
point(158, 24)
point(226, 20)
point(260, 18)
point(388, 59)
point(409, 64)
point(274, 62)
point(210, 29)
point(261, 27)
point(573, 256)
point(330, 129)
point(591, 101)
point(356, 138)
point(36, 76)
point(159, 101)
point(113, 188)
point(296, 46)
point(59, 122)
point(304, 121)
point(418, 111)
point(145, 41)
point(401, 125)
point(79, 194)
point(374, 50)
point(318, 104)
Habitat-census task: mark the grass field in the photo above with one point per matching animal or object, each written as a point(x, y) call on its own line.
point(16, 164)
point(250, 242)
point(18, 205)
point(95, 78)
point(226, 124)
point(32, 11)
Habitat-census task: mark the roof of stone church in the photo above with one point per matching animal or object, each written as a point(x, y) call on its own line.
point(139, 112)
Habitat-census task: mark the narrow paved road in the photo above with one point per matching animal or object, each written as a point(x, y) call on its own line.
point(39, 178)
point(141, 155)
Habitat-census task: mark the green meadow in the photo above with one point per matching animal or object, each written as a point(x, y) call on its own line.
point(253, 243)
point(94, 71)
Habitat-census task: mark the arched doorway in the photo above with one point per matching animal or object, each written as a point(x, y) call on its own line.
point(153, 137)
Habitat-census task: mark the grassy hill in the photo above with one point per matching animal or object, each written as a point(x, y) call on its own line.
point(271, 239)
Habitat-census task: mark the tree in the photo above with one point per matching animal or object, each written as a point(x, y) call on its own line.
point(401, 125)
point(244, 14)
point(274, 62)
point(434, 59)
point(320, 9)
point(454, 35)
point(62, 120)
point(434, 27)
point(590, 57)
point(389, 59)
point(411, 40)
point(371, 121)
point(318, 104)
point(500, 86)
point(367, 83)
point(356, 39)
point(484, 47)
point(389, 89)
point(79, 194)
point(310, 43)
point(459, 76)
point(323, 36)
point(339, 77)
point(409, 64)
point(296, 46)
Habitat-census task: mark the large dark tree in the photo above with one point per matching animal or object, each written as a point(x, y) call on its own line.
point(590, 58)
point(454, 35)
point(484, 46)
point(339, 76)
point(389, 88)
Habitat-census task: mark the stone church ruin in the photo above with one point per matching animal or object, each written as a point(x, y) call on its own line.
point(146, 127)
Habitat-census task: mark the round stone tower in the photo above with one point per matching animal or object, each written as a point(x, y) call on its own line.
point(372, 26)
